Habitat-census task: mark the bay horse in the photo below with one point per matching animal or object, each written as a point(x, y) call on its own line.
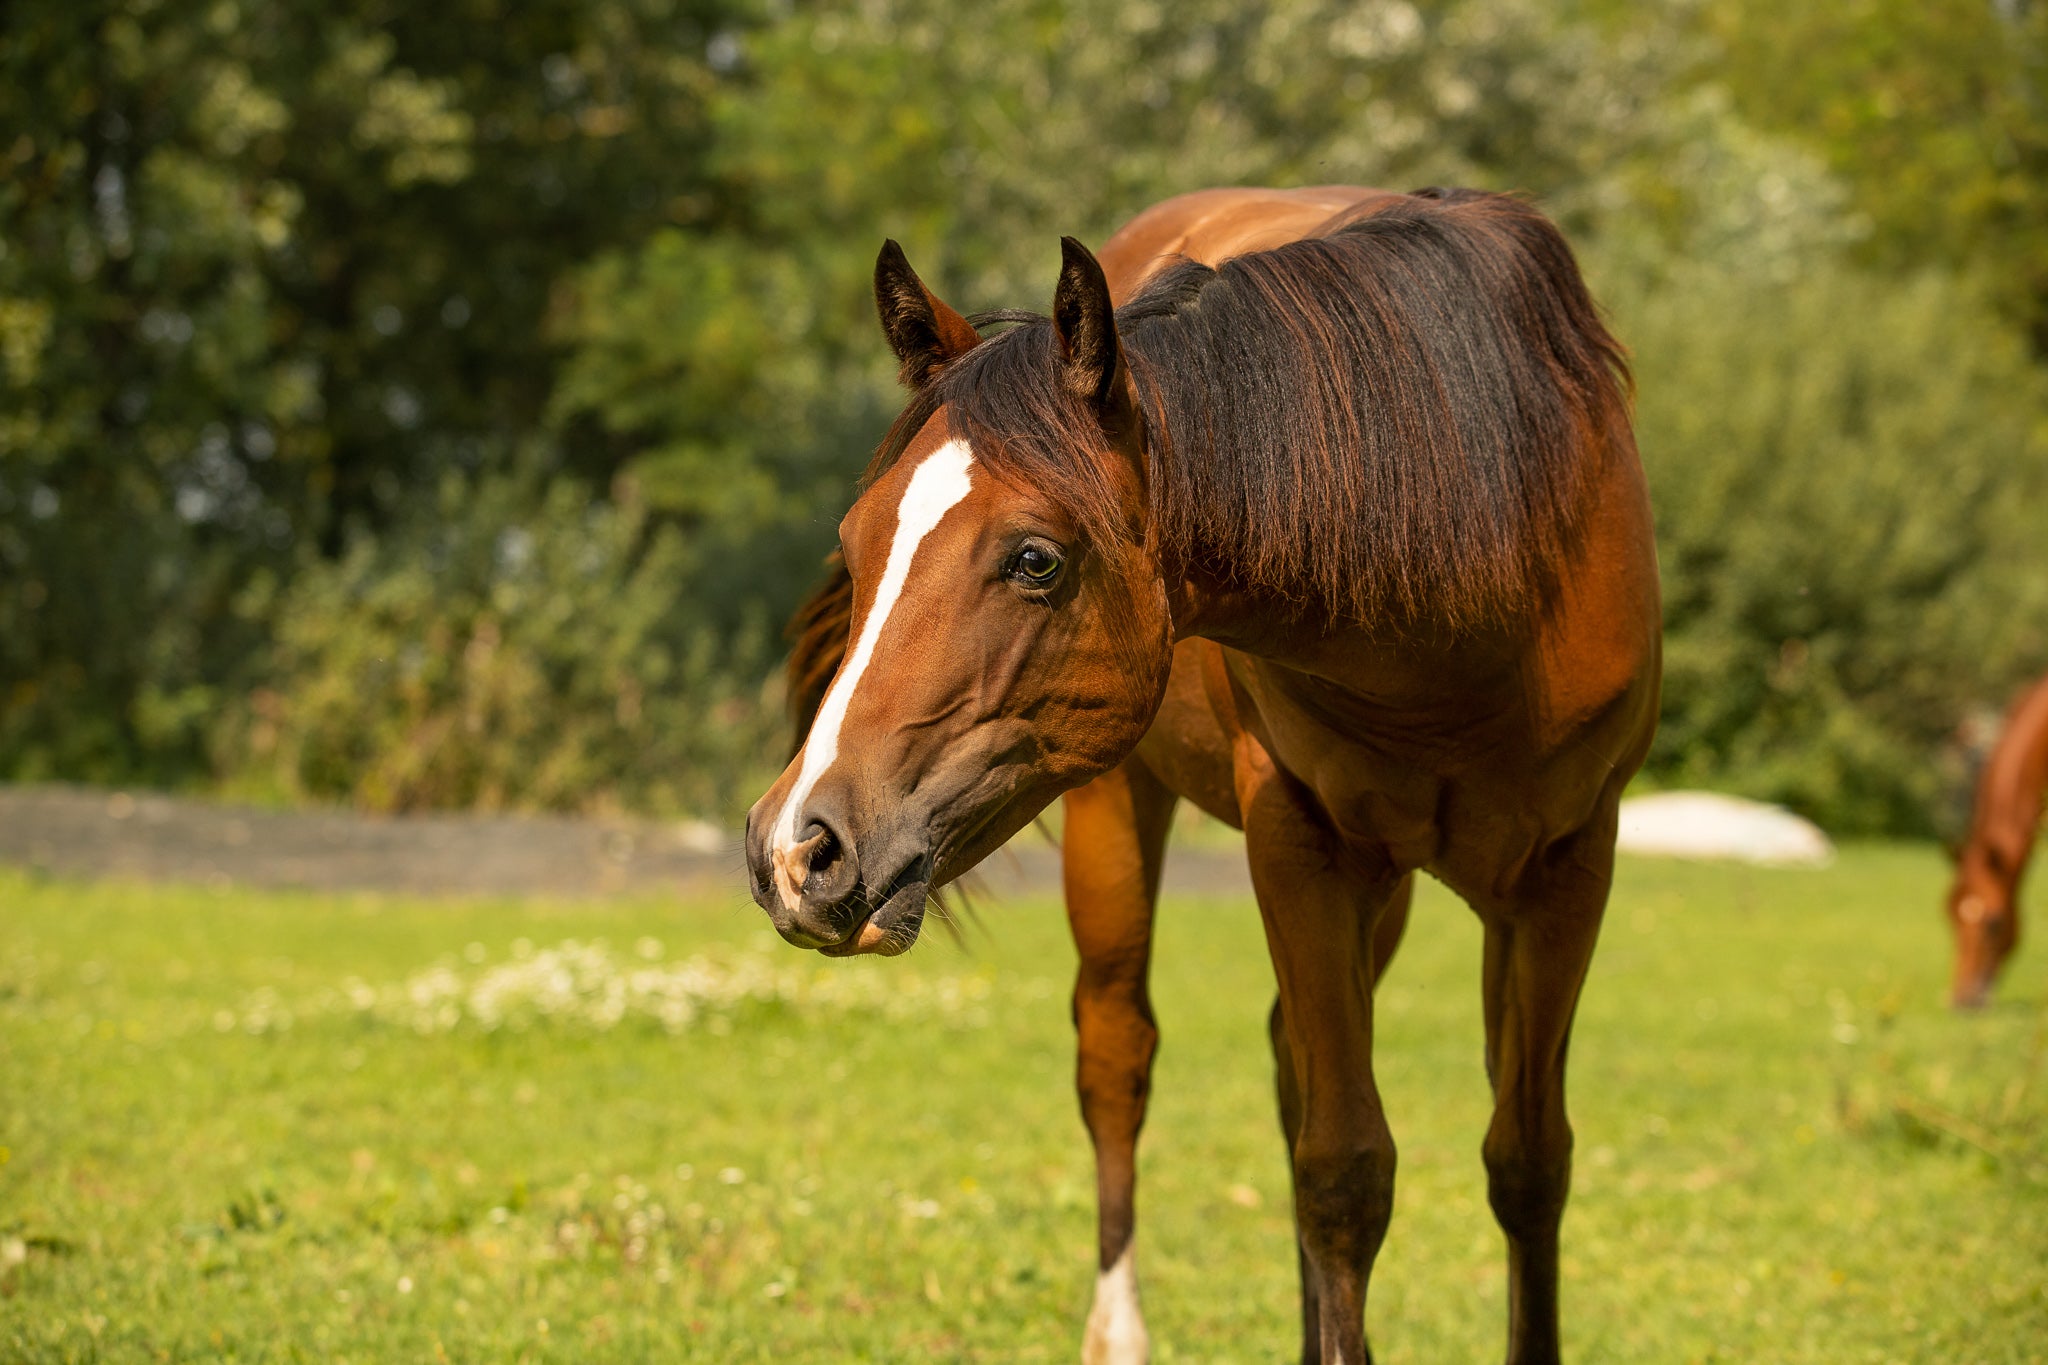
point(1984, 899)
point(1319, 509)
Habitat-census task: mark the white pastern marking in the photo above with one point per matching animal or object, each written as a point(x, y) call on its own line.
point(936, 487)
point(1116, 1328)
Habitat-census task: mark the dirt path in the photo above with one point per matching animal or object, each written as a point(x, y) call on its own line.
point(87, 832)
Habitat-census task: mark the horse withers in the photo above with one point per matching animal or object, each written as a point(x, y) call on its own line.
point(1984, 899)
point(1334, 527)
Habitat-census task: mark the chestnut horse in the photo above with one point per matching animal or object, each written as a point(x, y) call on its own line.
point(1984, 901)
point(1334, 528)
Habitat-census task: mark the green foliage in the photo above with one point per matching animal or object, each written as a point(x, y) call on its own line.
point(504, 647)
point(742, 364)
point(266, 270)
point(270, 273)
point(1847, 473)
point(742, 389)
point(1935, 113)
point(981, 135)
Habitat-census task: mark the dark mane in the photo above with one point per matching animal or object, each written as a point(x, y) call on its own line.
point(817, 637)
point(1388, 423)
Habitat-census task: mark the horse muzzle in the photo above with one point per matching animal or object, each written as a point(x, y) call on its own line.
point(893, 925)
point(822, 890)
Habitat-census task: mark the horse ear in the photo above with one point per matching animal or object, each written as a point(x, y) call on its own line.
point(1086, 323)
point(925, 334)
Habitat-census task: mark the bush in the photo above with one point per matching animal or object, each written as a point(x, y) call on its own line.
point(1848, 474)
point(511, 646)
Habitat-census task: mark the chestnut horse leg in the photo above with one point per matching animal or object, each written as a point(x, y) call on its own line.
point(1386, 938)
point(1537, 950)
point(1111, 851)
point(1322, 909)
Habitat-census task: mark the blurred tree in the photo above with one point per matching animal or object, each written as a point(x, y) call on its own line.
point(1848, 524)
point(1934, 112)
point(741, 360)
point(268, 268)
point(308, 313)
point(509, 642)
point(1848, 466)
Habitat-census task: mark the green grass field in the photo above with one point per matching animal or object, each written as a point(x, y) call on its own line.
point(228, 1132)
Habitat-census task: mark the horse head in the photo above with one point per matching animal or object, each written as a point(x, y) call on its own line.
point(1003, 640)
point(1983, 917)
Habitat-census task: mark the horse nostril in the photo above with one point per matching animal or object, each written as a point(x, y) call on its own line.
point(828, 865)
point(823, 845)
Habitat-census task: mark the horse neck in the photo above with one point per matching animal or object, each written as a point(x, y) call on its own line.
point(1298, 636)
point(2009, 799)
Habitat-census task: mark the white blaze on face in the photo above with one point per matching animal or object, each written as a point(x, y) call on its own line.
point(1116, 1328)
point(936, 487)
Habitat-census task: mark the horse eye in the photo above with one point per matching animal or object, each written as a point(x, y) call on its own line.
point(1036, 565)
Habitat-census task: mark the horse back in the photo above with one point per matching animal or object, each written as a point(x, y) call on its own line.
point(1211, 226)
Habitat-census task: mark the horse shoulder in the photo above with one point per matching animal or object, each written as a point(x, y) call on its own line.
point(1597, 647)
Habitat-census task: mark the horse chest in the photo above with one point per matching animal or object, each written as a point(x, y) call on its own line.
point(1386, 761)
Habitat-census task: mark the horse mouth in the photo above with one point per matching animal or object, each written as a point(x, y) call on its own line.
point(893, 925)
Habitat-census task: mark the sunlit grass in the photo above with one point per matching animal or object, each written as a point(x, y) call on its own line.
point(1788, 1150)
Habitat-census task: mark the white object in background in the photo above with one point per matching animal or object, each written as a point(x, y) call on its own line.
point(1709, 825)
point(701, 836)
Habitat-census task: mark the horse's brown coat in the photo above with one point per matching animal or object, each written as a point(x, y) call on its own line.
point(1352, 754)
point(1984, 900)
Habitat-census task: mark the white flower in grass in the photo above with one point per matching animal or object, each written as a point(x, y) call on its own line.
point(588, 985)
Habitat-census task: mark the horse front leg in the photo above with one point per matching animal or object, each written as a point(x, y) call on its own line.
point(1111, 851)
point(1322, 910)
point(1385, 939)
point(1538, 947)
